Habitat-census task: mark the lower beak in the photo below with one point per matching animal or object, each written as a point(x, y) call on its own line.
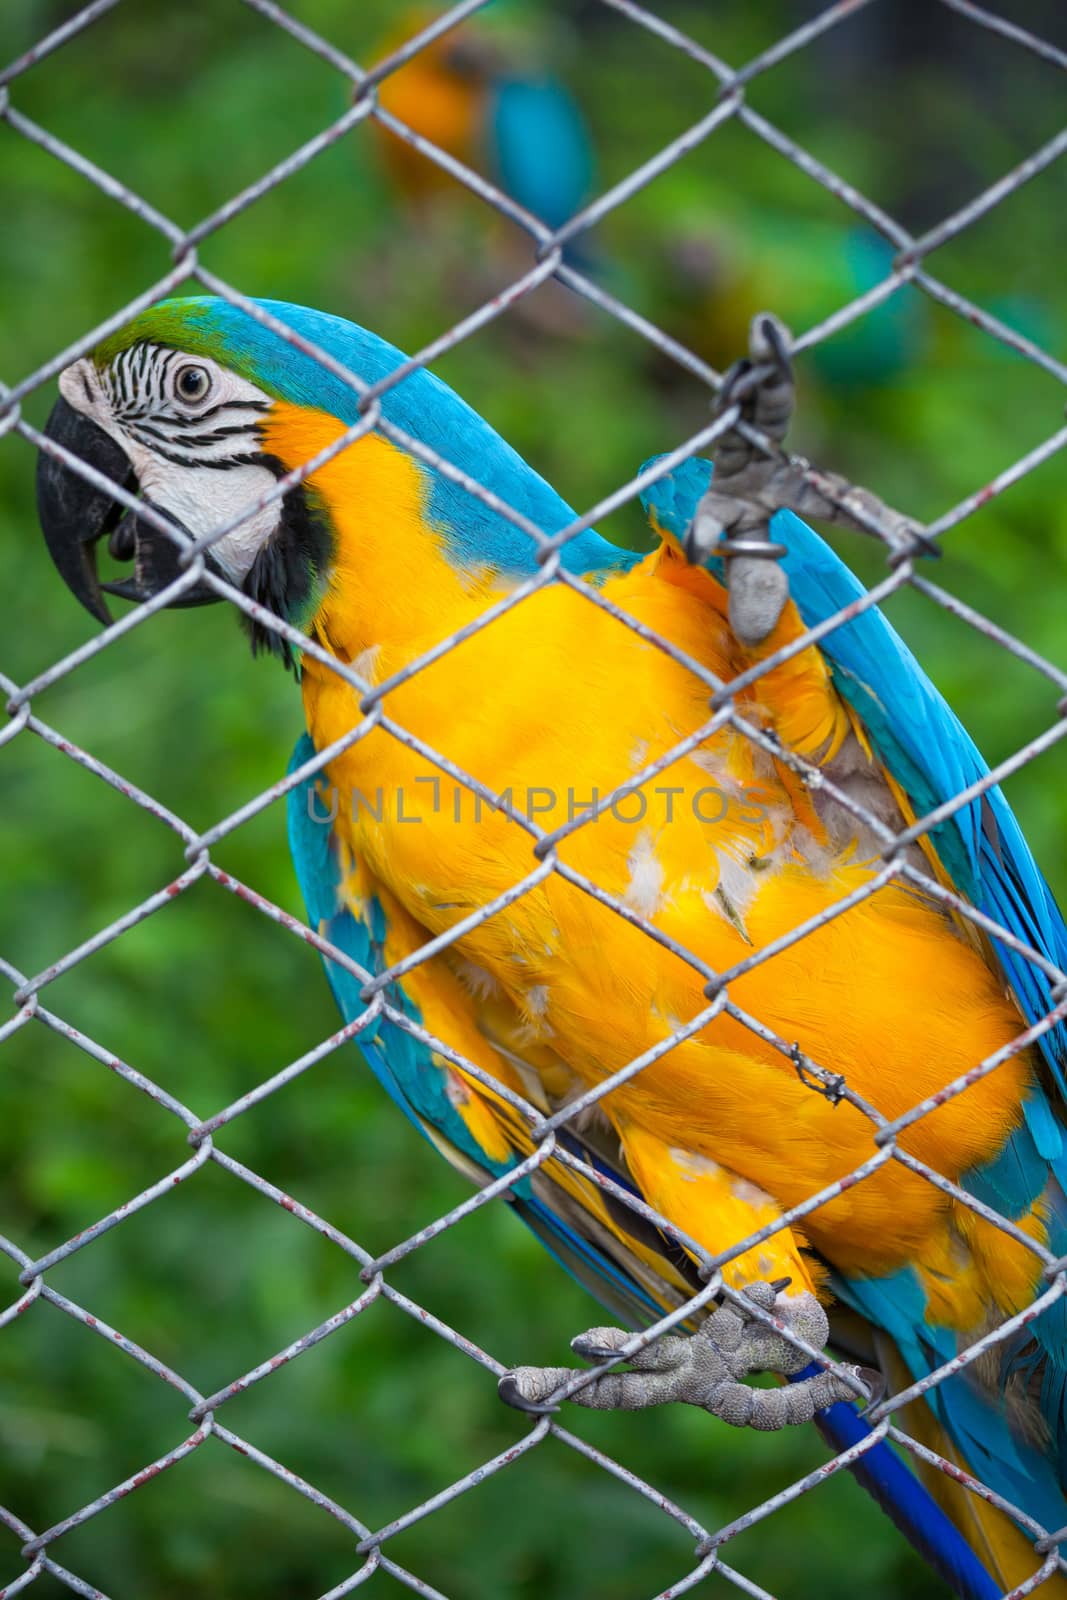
point(75, 516)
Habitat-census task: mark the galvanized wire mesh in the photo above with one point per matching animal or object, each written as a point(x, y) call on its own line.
point(912, 265)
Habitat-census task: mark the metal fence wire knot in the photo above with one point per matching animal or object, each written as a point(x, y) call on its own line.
point(757, 476)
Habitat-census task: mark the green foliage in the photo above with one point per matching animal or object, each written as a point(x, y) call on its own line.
point(188, 104)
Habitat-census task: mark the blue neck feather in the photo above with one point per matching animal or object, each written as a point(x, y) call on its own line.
point(423, 407)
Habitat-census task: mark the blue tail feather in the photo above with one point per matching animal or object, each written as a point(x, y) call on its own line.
point(907, 1503)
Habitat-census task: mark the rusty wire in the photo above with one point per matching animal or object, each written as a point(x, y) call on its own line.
point(193, 858)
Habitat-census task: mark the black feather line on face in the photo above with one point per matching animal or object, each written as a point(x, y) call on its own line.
point(288, 573)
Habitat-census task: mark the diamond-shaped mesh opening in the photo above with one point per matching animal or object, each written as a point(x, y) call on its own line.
point(252, 1332)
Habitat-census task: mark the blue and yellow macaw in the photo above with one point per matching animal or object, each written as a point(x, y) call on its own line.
point(377, 557)
point(517, 127)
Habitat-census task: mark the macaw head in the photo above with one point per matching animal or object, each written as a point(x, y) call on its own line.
point(198, 410)
point(182, 417)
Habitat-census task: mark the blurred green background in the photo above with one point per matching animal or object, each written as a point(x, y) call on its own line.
point(187, 104)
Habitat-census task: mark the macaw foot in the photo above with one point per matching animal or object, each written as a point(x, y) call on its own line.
point(732, 520)
point(755, 478)
point(706, 1368)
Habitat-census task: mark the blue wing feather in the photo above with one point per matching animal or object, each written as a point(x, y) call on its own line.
point(401, 1063)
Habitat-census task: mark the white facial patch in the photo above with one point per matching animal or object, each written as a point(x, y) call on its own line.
point(194, 454)
point(181, 491)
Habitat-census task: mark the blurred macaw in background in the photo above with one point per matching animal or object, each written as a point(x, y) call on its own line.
point(378, 557)
point(481, 94)
point(467, 94)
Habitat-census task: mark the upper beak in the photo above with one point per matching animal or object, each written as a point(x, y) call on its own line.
point(75, 515)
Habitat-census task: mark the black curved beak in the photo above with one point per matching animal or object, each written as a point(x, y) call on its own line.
point(75, 516)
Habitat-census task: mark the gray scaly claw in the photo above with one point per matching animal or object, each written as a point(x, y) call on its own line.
point(707, 1368)
point(753, 481)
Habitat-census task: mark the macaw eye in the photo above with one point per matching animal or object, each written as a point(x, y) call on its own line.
point(192, 384)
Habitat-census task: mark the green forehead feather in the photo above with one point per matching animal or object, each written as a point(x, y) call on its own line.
point(192, 325)
point(168, 324)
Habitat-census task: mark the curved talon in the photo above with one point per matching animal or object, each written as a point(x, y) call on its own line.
point(509, 1391)
point(591, 1351)
point(769, 340)
point(874, 1382)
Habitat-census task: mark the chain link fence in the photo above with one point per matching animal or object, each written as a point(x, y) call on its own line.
point(42, 1549)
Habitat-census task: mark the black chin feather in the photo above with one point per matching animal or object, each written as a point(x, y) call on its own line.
point(288, 571)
